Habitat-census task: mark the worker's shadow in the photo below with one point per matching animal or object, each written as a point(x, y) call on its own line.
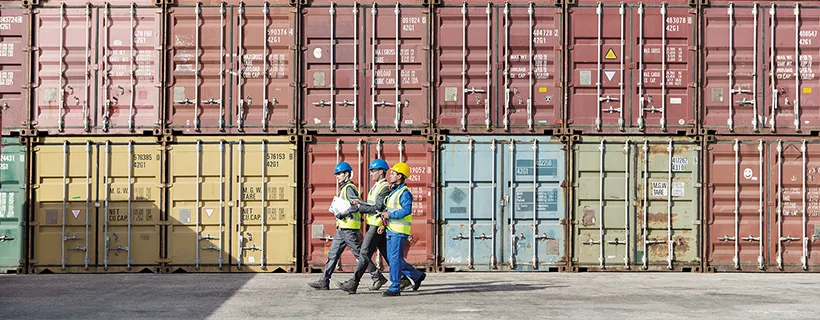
point(485, 286)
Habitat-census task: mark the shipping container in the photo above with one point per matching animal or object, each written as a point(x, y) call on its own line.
point(758, 75)
point(365, 68)
point(14, 69)
point(322, 153)
point(231, 204)
point(221, 78)
point(762, 204)
point(96, 205)
point(13, 191)
point(635, 71)
point(499, 67)
point(503, 203)
point(96, 68)
point(636, 203)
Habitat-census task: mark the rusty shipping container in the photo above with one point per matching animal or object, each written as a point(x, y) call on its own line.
point(321, 155)
point(499, 67)
point(762, 211)
point(757, 66)
point(635, 71)
point(365, 68)
point(14, 69)
point(636, 203)
point(221, 78)
point(96, 68)
point(231, 204)
point(96, 205)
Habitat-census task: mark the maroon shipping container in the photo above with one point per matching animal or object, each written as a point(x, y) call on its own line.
point(763, 204)
point(14, 39)
point(96, 68)
point(758, 70)
point(365, 68)
point(632, 67)
point(211, 89)
point(499, 67)
point(322, 155)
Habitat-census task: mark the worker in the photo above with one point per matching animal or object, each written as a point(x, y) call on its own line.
point(348, 226)
point(399, 217)
point(375, 231)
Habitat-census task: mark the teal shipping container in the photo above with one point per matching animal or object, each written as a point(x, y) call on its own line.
point(502, 204)
point(12, 205)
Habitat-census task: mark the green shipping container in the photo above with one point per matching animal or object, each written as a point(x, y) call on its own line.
point(12, 204)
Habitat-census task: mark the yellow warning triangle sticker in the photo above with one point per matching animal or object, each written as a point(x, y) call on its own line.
point(610, 54)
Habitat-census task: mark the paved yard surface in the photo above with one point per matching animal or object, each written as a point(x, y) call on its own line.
point(442, 296)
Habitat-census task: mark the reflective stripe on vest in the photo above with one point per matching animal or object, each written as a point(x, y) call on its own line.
point(354, 221)
point(373, 218)
point(393, 203)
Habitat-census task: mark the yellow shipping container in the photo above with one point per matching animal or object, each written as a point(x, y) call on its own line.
point(96, 205)
point(212, 180)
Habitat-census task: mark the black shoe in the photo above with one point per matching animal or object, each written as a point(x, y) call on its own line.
point(418, 282)
point(349, 286)
point(405, 283)
point(388, 293)
point(319, 285)
point(378, 283)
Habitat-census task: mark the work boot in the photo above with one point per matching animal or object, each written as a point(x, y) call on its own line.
point(349, 286)
point(378, 283)
point(418, 282)
point(404, 283)
point(388, 293)
point(319, 285)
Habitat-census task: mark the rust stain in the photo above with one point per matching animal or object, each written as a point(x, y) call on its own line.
point(658, 250)
point(589, 216)
point(681, 246)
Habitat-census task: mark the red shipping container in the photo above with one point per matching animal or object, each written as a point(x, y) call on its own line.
point(499, 67)
point(763, 204)
point(211, 89)
point(365, 68)
point(632, 67)
point(96, 68)
point(14, 38)
point(321, 156)
point(758, 70)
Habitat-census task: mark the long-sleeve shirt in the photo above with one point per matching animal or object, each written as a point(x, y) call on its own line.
point(406, 202)
point(379, 205)
point(352, 195)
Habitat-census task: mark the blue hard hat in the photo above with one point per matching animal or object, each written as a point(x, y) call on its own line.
point(379, 164)
point(342, 167)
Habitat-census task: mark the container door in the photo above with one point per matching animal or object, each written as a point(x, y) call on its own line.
point(14, 39)
point(12, 204)
point(471, 203)
point(534, 219)
point(737, 195)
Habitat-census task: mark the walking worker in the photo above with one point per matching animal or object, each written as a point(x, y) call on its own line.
point(348, 226)
point(399, 218)
point(375, 231)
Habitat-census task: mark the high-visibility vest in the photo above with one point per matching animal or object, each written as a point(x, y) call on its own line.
point(353, 221)
point(393, 203)
point(373, 219)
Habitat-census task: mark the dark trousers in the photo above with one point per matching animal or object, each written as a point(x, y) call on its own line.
point(342, 239)
point(372, 241)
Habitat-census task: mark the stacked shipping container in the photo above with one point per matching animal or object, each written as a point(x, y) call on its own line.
point(199, 136)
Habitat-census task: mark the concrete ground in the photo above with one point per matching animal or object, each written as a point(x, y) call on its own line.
point(442, 296)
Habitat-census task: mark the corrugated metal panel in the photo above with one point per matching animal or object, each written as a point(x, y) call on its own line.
point(633, 67)
point(490, 218)
point(96, 68)
point(757, 67)
point(322, 154)
point(485, 79)
point(365, 68)
point(14, 70)
point(762, 204)
point(12, 204)
point(636, 203)
point(206, 231)
point(252, 94)
point(97, 205)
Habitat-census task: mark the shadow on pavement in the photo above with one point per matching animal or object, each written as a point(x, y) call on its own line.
point(457, 288)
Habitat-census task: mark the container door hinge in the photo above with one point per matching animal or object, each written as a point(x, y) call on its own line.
point(698, 185)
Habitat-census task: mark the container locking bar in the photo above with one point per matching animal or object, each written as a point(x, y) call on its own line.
point(4, 238)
